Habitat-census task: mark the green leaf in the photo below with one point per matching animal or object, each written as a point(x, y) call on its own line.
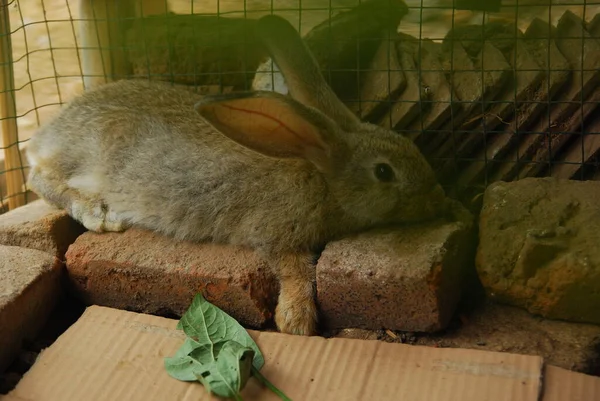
point(207, 353)
point(207, 324)
point(235, 359)
point(218, 352)
point(228, 375)
point(188, 346)
point(182, 368)
point(225, 376)
point(203, 376)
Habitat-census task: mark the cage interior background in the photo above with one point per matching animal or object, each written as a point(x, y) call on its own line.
point(486, 95)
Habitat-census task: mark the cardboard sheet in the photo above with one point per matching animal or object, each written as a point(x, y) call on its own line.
point(110, 354)
point(564, 385)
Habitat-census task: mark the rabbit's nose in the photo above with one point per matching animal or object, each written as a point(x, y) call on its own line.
point(438, 195)
point(436, 200)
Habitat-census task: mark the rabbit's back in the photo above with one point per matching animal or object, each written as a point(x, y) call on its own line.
point(126, 111)
point(158, 164)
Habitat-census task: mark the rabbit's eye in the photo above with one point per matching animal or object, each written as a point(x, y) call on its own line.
point(384, 172)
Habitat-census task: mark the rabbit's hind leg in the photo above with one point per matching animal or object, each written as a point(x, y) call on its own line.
point(113, 222)
point(95, 215)
point(91, 206)
point(90, 211)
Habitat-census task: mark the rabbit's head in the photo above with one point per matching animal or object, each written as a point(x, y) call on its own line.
point(375, 175)
point(381, 177)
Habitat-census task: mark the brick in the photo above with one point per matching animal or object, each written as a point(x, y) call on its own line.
point(541, 42)
point(29, 289)
point(407, 106)
point(583, 54)
point(538, 247)
point(383, 80)
point(465, 79)
point(438, 102)
point(38, 225)
point(408, 279)
point(528, 75)
point(146, 272)
point(495, 72)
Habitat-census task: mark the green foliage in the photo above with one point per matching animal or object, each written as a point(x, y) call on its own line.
point(218, 352)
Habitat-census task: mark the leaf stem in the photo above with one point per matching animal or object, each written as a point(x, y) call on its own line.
point(269, 385)
point(237, 397)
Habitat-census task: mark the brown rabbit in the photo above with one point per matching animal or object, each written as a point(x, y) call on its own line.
point(280, 174)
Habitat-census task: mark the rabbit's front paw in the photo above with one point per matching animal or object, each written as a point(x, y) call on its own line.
point(296, 312)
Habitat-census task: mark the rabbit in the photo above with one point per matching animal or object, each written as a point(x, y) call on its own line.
point(280, 174)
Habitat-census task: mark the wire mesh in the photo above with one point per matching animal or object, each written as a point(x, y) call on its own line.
point(487, 96)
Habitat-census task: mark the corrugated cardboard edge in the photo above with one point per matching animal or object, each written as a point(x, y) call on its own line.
point(565, 385)
point(110, 354)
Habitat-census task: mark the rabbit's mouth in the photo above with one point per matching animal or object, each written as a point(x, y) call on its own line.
point(428, 210)
point(430, 206)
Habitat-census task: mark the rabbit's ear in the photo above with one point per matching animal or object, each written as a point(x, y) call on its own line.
point(271, 124)
point(301, 71)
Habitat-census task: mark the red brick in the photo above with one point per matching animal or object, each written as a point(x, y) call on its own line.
point(408, 279)
point(41, 226)
point(29, 289)
point(146, 272)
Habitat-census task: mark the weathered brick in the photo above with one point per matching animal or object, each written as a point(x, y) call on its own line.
point(29, 289)
point(408, 279)
point(143, 271)
point(38, 225)
point(539, 249)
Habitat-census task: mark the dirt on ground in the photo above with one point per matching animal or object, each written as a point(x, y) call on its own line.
point(501, 328)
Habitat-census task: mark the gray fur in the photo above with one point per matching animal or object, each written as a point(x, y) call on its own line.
point(136, 153)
